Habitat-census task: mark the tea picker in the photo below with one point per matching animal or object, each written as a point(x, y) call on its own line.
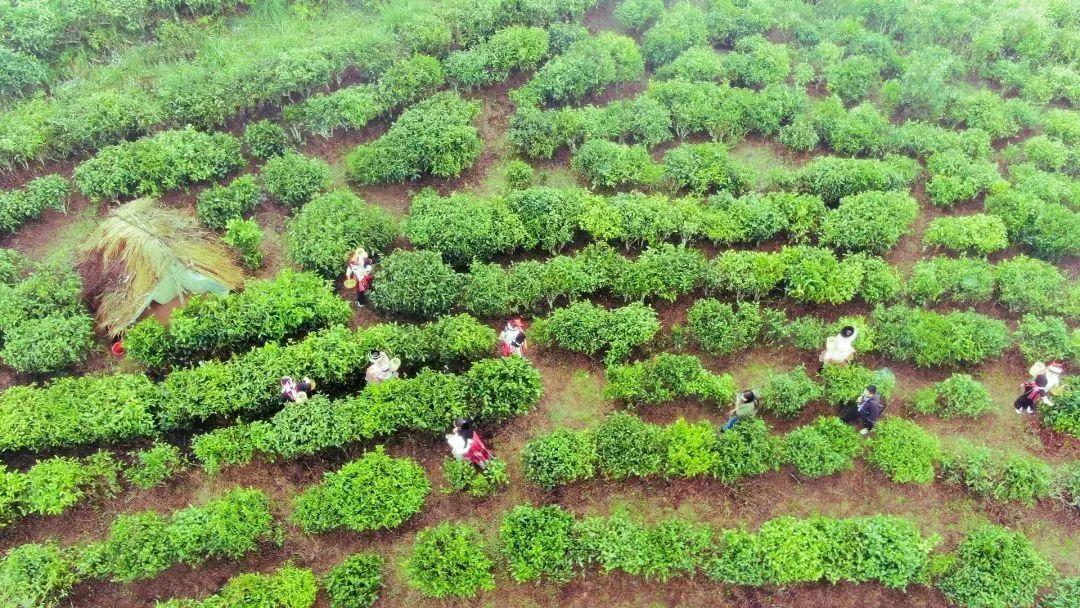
point(512, 338)
point(296, 392)
point(382, 367)
point(839, 348)
point(745, 407)
point(868, 408)
point(358, 274)
point(465, 444)
point(1044, 379)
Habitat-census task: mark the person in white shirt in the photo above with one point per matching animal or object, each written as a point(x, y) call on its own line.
point(382, 367)
point(512, 338)
point(839, 348)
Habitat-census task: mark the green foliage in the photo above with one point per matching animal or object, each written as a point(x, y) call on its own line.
point(722, 330)
point(1045, 226)
point(1065, 415)
point(1044, 338)
point(355, 582)
point(834, 178)
point(154, 466)
point(1064, 594)
point(537, 543)
point(288, 587)
point(756, 62)
point(1027, 284)
point(330, 227)
point(745, 274)
point(664, 271)
point(786, 394)
point(800, 135)
point(245, 237)
point(232, 445)
point(53, 485)
point(904, 451)
point(636, 14)
point(746, 450)
point(610, 164)
point(697, 63)
point(956, 177)
point(416, 283)
point(844, 383)
point(491, 61)
point(435, 136)
point(290, 304)
point(463, 227)
point(815, 275)
point(995, 568)
point(942, 278)
point(519, 175)
point(265, 139)
point(586, 328)
point(705, 168)
point(680, 27)
point(152, 165)
point(627, 446)
point(35, 575)
point(666, 377)
point(450, 560)
point(956, 396)
point(49, 343)
point(823, 447)
point(586, 66)
point(853, 77)
point(931, 339)
point(294, 179)
point(690, 448)
point(1001, 475)
point(550, 215)
point(502, 387)
point(30, 201)
point(463, 476)
point(560, 458)
point(219, 204)
point(870, 221)
point(374, 492)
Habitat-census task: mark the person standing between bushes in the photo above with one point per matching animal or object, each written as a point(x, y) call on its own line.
point(512, 338)
point(358, 272)
point(296, 392)
point(745, 407)
point(465, 444)
point(1044, 379)
point(382, 367)
point(839, 348)
point(868, 408)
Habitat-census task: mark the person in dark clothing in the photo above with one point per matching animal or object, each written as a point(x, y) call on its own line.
point(868, 409)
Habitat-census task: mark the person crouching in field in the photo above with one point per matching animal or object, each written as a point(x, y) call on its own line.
point(296, 392)
point(868, 408)
point(512, 338)
point(1044, 378)
point(382, 367)
point(465, 444)
point(745, 407)
point(358, 273)
point(839, 348)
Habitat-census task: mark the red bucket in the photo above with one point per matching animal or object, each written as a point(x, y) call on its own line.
point(117, 349)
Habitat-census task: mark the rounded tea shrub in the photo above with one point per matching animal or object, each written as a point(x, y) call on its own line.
point(449, 560)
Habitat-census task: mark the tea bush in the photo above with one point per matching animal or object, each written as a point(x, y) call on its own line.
point(519, 175)
point(330, 227)
point(1001, 475)
point(36, 575)
point(844, 383)
point(995, 568)
point(722, 330)
point(626, 446)
point(757, 62)
point(54, 484)
point(154, 466)
point(697, 63)
point(355, 582)
point(1065, 415)
point(290, 304)
point(815, 275)
point(450, 560)
point(265, 139)
point(463, 227)
point(823, 447)
point(956, 396)
point(931, 339)
point(415, 283)
point(706, 167)
point(1044, 338)
point(870, 221)
point(294, 179)
point(48, 344)
point(612, 165)
point(978, 234)
point(537, 543)
point(669, 548)
point(43, 322)
point(833, 178)
point(748, 449)
point(680, 27)
point(502, 387)
point(633, 218)
point(666, 377)
point(491, 61)
point(786, 394)
point(463, 476)
point(1043, 225)
point(219, 204)
point(586, 66)
point(1064, 594)
point(664, 271)
point(165, 161)
point(955, 177)
point(903, 450)
point(941, 278)
point(550, 215)
point(690, 448)
point(435, 136)
point(636, 14)
point(245, 238)
point(746, 275)
point(586, 328)
point(560, 458)
point(1027, 284)
point(287, 587)
point(29, 202)
point(374, 492)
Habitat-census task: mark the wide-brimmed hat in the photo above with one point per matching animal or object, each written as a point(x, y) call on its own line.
point(1037, 369)
point(286, 380)
point(375, 355)
point(1056, 368)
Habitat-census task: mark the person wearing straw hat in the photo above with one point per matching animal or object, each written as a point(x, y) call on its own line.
point(1044, 379)
point(512, 338)
point(465, 444)
point(296, 392)
point(382, 367)
point(358, 274)
point(839, 348)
